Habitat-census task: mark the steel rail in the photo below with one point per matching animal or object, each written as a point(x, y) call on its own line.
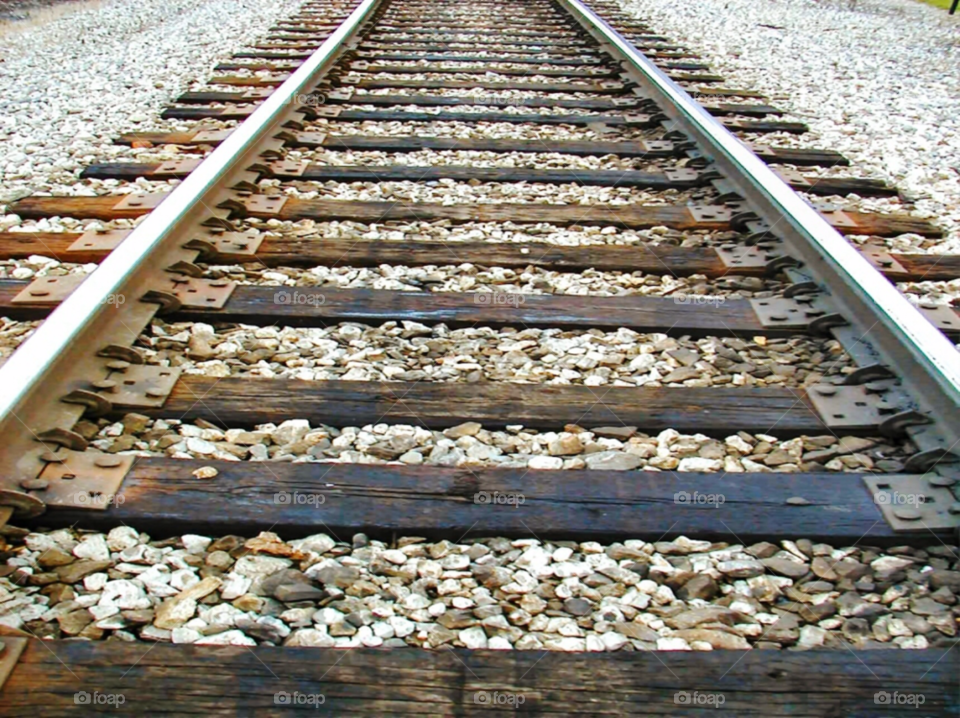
point(925, 361)
point(26, 370)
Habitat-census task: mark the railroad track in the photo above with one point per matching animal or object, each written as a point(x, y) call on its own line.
point(330, 172)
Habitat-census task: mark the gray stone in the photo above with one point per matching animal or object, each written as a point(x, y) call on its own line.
point(615, 432)
point(336, 575)
point(741, 568)
point(696, 616)
point(762, 550)
point(816, 612)
point(76, 571)
point(926, 607)
point(700, 586)
point(786, 567)
point(717, 639)
point(944, 579)
point(612, 461)
point(577, 607)
point(636, 631)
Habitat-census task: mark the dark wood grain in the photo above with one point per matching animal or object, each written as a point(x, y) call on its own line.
point(463, 173)
point(460, 56)
point(359, 252)
point(676, 317)
point(434, 101)
point(321, 306)
point(553, 87)
point(630, 216)
point(603, 103)
point(774, 155)
point(565, 49)
point(163, 496)
point(234, 681)
point(414, 173)
point(490, 67)
point(244, 401)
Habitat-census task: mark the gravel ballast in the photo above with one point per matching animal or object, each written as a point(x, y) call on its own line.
point(61, 112)
point(114, 67)
point(874, 80)
point(492, 593)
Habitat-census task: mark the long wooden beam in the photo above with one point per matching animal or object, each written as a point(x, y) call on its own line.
point(163, 496)
point(359, 252)
point(631, 216)
point(265, 680)
point(244, 401)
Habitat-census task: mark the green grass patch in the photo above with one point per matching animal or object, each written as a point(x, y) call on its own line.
point(944, 4)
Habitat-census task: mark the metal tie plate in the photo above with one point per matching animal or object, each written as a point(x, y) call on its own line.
point(99, 240)
point(176, 168)
point(768, 255)
point(710, 213)
point(838, 218)
point(850, 407)
point(263, 204)
point(786, 312)
point(658, 145)
point(258, 93)
point(194, 293)
point(636, 118)
point(138, 386)
point(236, 243)
point(942, 316)
point(243, 110)
point(682, 174)
point(48, 291)
point(791, 177)
point(309, 138)
point(211, 136)
point(916, 502)
point(340, 95)
point(82, 479)
point(288, 168)
point(880, 258)
point(140, 201)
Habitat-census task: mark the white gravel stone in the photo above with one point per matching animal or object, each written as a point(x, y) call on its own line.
point(115, 67)
point(867, 77)
point(122, 537)
point(93, 547)
point(227, 638)
point(185, 635)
